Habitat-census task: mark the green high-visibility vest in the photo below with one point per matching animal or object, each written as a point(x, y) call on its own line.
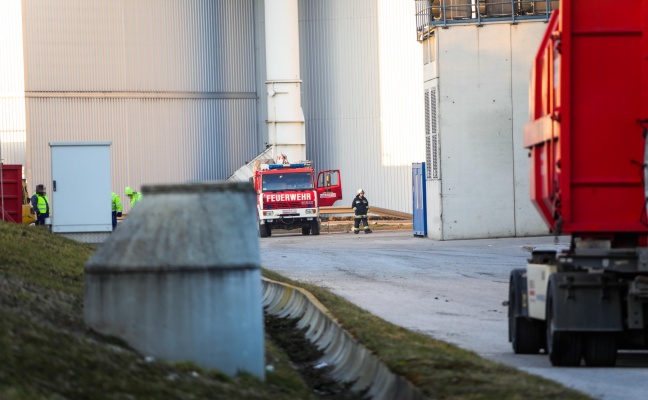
point(43, 204)
point(135, 198)
point(116, 203)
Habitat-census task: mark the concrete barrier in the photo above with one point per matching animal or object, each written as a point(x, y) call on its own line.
point(350, 361)
point(180, 279)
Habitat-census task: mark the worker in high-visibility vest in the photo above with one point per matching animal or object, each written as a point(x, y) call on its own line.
point(116, 206)
point(134, 196)
point(40, 204)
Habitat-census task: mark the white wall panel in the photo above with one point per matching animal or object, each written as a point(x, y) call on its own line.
point(12, 129)
point(434, 210)
point(12, 96)
point(476, 130)
point(483, 105)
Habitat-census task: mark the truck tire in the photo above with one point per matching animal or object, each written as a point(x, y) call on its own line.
point(526, 334)
point(263, 230)
point(306, 230)
point(600, 349)
point(315, 228)
point(565, 349)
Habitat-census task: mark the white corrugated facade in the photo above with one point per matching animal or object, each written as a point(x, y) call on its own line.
point(177, 86)
point(362, 101)
point(172, 84)
point(12, 87)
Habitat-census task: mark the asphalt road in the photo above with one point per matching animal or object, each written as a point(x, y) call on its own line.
point(450, 290)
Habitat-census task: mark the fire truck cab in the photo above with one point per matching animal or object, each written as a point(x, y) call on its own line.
point(289, 196)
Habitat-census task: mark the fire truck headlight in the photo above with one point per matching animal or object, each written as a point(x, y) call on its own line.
point(268, 213)
point(310, 211)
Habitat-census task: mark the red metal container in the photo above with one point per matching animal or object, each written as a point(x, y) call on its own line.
point(11, 193)
point(589, 117)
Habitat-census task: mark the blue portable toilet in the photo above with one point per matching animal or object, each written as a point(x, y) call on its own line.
point(419, 208)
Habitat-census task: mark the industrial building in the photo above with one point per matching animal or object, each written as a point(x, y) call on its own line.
point(179, 88)
point(477, 62)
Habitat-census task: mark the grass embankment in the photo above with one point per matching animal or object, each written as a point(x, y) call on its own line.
point(47, 353)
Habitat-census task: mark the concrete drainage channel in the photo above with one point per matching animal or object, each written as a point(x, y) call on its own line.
point(350, 361)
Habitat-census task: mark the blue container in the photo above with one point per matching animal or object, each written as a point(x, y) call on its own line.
point(419, 200)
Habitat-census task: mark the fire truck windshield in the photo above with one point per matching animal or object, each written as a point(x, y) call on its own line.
point(287, 181)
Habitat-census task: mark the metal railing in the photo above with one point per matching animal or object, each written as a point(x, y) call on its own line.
point(382, 212)
point(431, 13)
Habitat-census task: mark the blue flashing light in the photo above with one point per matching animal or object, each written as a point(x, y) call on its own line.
point(277, 166)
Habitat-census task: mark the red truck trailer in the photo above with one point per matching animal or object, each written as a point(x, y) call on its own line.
point(11, 193)
point(589, 155)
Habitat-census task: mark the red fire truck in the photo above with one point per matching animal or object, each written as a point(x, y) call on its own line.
point(589, 155)
point(289, 197)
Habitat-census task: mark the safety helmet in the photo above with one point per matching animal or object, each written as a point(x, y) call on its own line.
point(128, 191)
point(360, 191)
point(40, 188)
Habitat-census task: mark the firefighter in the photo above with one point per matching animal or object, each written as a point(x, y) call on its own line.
point(361, 206)
point(134, 197)
point(40, 204)
point(116, 208)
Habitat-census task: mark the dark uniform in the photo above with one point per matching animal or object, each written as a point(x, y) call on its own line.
point(40, 204)
point(361, 206)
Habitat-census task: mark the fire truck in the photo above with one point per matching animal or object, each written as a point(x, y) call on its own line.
point(589, 156)
point(289, 196)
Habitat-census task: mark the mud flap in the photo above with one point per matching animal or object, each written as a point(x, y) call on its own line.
point(585, 302)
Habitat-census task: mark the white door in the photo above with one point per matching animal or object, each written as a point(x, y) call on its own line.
point(81, 187)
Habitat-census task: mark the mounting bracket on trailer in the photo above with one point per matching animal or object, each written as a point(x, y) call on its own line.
point(644, 125)
point(642, 259)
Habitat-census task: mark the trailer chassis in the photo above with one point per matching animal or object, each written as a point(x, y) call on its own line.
point(585, 303)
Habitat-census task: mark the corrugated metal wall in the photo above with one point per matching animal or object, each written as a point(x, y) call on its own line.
point(191, 46)
point(362, 95)
point(12, 87)
point(153, 140)
point(172, 84)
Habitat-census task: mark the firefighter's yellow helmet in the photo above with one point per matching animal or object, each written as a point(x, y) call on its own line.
point(128, 191)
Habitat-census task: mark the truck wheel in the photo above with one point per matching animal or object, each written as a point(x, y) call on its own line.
point(306, 230)
point(600, 349)
point(526, 335)
point(315, 228)
point(263, 230)
point(565, 349)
